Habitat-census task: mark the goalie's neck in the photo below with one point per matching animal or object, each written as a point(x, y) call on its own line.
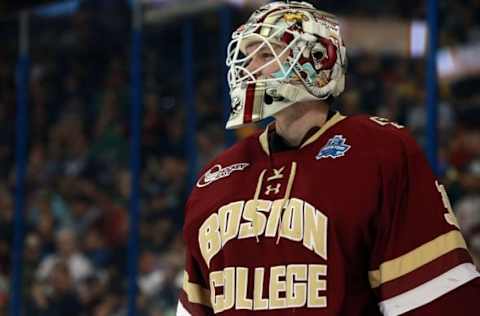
point(294, 122)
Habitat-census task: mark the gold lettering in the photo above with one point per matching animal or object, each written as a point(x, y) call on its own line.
point(274, 218)
point(229, 288)
point(450, 215)
point(316, 284)
point(276, 286)
point(259, 303)
point(229, 216)
point(216, 280)
point(209, 238)
point(296, 292)
point(292, 221)
point(256, 220)
point(315, 236)
point(383, 121)
point(242, 302)
point(292, 286)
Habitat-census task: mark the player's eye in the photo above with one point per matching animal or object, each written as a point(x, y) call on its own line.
point(266, 56)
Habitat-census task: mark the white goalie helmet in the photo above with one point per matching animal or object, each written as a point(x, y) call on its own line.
point(301, 43)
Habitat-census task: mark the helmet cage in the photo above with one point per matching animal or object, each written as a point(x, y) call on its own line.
point(238, 58)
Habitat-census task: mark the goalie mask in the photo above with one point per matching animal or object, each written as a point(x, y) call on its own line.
point(302, 59)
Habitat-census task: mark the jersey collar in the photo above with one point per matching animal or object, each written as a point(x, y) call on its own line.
point(263, 138)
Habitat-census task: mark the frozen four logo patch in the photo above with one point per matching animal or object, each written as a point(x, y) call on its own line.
point(334, 148)
point(218, 172)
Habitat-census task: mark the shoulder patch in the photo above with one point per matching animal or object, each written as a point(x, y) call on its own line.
point(334, 148)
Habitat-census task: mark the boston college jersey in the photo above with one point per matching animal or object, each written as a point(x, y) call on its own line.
point(351, 223)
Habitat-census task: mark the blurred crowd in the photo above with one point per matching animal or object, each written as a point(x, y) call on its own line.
point(78, 176)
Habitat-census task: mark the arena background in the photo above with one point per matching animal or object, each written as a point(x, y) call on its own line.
point(108, 108)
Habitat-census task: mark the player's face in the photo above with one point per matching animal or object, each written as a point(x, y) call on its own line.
point(265, 56)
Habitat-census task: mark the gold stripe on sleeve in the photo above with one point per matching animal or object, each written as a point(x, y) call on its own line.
point(398, 267)
point(195, 293)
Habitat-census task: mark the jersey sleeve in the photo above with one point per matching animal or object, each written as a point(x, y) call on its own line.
point(462, 301)
point(418, 254)
point(194, 297)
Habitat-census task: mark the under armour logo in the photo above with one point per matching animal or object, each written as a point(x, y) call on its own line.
point(277, 174)
point(275, 189)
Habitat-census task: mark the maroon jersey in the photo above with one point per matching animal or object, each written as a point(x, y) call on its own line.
point(351, 223)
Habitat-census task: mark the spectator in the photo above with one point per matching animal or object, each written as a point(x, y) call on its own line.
point(57, 296)
point(66, 251)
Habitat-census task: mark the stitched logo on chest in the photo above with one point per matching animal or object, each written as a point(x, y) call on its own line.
point(334, 148)
point(218, 172)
